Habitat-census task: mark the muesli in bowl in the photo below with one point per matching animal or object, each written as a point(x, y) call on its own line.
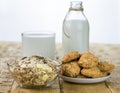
point(34, 71)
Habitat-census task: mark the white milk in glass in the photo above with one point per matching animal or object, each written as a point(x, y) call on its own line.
point(75, 36)
point(34, 44)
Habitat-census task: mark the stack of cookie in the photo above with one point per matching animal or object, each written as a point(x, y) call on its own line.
point(84, 65)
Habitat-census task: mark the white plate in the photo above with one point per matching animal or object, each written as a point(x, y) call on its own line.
point(85, 80)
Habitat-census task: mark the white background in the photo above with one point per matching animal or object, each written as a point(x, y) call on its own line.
point(17, 16)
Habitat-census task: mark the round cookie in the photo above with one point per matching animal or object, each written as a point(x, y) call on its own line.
point(105, 67)
point(88, 60)
point(93, 72)
point(71, 69)
point(70, 56)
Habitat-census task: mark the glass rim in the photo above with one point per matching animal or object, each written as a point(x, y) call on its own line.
point(38, 33)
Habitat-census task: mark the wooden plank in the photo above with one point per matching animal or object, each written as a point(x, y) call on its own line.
point(6, 80)
point(85, 88)
point(114, 82)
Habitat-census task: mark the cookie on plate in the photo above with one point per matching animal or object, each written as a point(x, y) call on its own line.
point(71, 69)
point(106, 66)
point(88, 60)
point(70, 56)
point(93, 72)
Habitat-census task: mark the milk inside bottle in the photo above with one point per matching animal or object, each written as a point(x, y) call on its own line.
point(75, 34)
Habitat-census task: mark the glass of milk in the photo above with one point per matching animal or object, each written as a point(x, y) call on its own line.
point(39, 43)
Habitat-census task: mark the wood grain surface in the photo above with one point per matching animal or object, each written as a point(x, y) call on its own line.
point(11, 50)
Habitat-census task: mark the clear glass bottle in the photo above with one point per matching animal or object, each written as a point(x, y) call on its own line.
point(75, 34)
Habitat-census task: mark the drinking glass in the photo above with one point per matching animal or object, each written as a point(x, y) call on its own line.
point(39, 43)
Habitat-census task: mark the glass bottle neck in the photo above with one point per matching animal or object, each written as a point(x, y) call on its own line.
point(76, 6)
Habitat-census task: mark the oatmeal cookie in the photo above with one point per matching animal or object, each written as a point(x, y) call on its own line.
point(70, 56)
point(71, 69)
point(88, 60)
point(106, 66)
point(93, 72)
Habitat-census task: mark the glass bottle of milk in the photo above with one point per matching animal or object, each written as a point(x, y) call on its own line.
point(75, 34)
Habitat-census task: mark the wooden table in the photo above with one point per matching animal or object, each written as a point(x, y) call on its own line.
point(8, 50)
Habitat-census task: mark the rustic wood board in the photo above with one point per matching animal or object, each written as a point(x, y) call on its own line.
point(85, 88)
point(10, 50)
point(114, 82)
